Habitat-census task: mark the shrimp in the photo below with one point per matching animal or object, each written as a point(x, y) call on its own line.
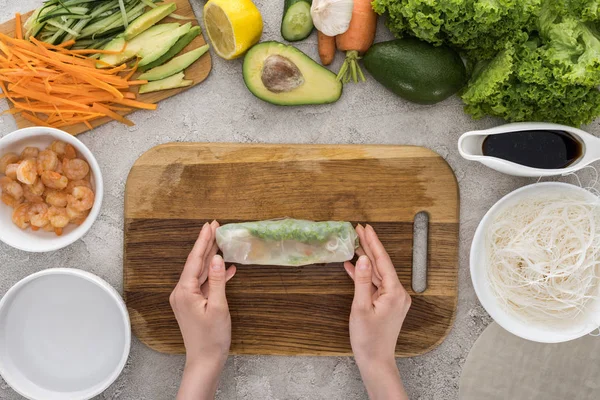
point(38, 215)
point(30, 195)
point(29, 152)
point(59, 168)
point(58, 217)
point(11, 171)
point(73, 184)
point(27, 172)
point(20, 216)
point(11, 188)
point(54, 180)
point(10, 201)
point(56, 198)
point(75, 169)
point(82, 199)
point(5, 160)
point(63, 150)
point(81, 218)
point(48, 228)
point(47, 161)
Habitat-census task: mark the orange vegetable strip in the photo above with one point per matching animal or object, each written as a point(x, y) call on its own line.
point(136, 104)
point(44, 97)
point(34, 119)
point(112, 114)
point(18, 26)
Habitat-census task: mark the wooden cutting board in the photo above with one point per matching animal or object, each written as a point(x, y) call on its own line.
point(197, 72)
point(174, 188)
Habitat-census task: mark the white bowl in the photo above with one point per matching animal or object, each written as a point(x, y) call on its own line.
point(478, 260)
point(41, 241)
point(64, 335)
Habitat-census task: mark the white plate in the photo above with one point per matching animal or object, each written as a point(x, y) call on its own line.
point(41, 241)
point(64, 335)
point(478, 260)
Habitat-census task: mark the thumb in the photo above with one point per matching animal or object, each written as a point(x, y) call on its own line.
point(363, 278)
point(216, 282)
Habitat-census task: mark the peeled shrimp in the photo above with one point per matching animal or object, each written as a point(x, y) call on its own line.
point(29, 152)
point(63, 150)
point(27, 171)
point(73, 184)
point(56, 198)
point(11, 171)
point(59, 168)
point(54, 180)
point(11, 188)
point(82, 199)
point(20, 216)
point(58, 217)
point(38, 214)
point(81, 218)
point(8, 158)
point(75, 169)
point(47, 161)
point(30, 195)
point(10, 201)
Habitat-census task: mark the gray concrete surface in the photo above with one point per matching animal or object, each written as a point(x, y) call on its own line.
point(222, 110)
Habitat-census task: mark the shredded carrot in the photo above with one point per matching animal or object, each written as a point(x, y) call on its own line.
point(112, 114)
point(50, 85)
point(18, 26)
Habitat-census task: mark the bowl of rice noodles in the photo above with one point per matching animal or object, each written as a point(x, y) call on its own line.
point(535, 262)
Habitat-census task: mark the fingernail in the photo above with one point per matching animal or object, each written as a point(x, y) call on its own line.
point(217, 263)
point(205, 225)
point(362, 263)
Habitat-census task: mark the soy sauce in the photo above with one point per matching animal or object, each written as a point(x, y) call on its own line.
point(536, 149)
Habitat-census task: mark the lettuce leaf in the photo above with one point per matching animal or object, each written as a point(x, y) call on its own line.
point(536, 60)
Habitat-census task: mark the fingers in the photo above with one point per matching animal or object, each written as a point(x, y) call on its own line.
point(230, 273)
point(350, 270)
point(366, 250)
point(363, 286)
point(194, 264)
point(210, 253)
point(360, 251)
point(217, 279)
point(380, 257)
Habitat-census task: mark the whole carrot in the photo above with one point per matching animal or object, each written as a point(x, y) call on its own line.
point(357, 39)
point(326, 48)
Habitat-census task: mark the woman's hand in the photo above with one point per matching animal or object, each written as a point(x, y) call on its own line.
point(378, 311)
point(201, 309)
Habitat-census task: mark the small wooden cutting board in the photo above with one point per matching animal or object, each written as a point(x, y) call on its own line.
point(174, 188)
point(197, 72)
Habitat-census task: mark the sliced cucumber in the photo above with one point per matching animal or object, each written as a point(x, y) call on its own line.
point(174, 66)
point(296, 23)
point(172, 82)
point(148, 19)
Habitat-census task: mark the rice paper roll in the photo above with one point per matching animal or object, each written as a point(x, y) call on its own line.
point(287, 242)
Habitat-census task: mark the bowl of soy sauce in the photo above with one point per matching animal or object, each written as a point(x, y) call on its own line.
point(531, 149)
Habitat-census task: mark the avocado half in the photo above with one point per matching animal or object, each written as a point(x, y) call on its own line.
point(283, 75)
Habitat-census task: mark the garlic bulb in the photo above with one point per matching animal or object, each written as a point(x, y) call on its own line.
point(331, 17)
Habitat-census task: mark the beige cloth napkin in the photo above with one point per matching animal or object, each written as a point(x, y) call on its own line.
point(502, 366)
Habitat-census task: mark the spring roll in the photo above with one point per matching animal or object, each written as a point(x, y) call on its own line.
point(288, 242)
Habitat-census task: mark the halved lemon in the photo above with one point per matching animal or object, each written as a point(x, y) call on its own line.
point(233, 26)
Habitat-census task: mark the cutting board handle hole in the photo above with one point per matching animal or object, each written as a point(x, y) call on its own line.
point(420, 247)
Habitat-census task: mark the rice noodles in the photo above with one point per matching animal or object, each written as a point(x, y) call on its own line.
point(544, 256)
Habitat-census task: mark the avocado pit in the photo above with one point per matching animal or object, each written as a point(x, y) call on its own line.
point(279, 74)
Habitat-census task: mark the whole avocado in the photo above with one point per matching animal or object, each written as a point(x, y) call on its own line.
point(416, 71)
